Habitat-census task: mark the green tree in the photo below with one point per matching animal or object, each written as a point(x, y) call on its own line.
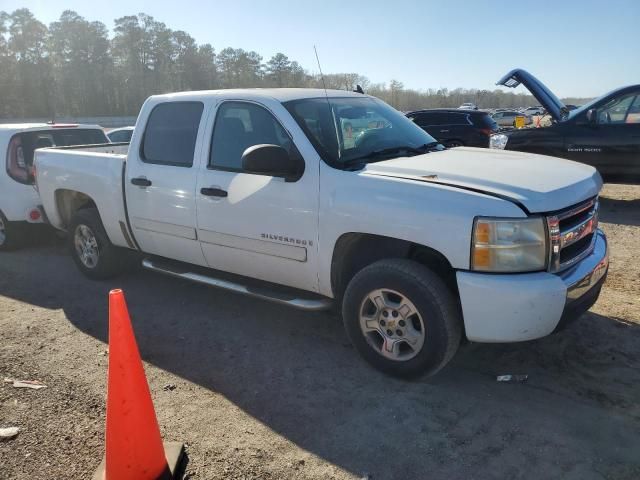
point(278, 70)
point(239, 69)
point(33, 79)
point(73, 68)
point(81, 62)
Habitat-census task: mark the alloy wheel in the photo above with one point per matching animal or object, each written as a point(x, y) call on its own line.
point(392, 325)
point(86, 246)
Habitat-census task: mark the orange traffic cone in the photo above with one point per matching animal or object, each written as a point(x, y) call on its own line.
point(134, 448)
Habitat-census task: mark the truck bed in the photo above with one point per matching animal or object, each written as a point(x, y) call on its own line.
point(94, 173)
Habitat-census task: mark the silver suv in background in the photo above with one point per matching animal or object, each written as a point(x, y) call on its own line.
point(507, 118)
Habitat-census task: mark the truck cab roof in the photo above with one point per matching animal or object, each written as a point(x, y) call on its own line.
point(280, 94)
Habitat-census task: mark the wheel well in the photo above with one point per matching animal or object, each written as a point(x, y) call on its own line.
point(355, 251)
point(69, 201)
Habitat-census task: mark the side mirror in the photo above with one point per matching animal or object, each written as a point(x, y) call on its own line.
point(272, 160)
point(592, 116)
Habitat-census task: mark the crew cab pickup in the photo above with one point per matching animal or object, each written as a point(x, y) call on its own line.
point(604, 133)
point(20, 212)
point(316, 198)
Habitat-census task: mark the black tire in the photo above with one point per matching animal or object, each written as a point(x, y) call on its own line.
point(433, 301)
point(110, 260)
point(11, 234)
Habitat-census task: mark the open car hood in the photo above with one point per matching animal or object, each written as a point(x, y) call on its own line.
point(539, 90)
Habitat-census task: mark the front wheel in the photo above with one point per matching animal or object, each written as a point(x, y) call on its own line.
point(402, 318)
point(90, 247)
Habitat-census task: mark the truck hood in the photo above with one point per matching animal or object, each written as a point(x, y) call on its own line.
point(536, 183)
point(539, 90)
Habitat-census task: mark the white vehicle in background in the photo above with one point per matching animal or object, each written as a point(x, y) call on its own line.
point(507, 118)
point(260, 193)
point(19, 200)
point(533, 111)
point(468, 106)
point(120, 135)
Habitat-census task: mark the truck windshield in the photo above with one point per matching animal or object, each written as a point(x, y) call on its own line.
point(350, 132)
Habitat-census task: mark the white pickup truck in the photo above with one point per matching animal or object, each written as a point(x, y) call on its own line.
point(313, 199)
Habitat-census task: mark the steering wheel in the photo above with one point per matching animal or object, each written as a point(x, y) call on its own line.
point(372, 137)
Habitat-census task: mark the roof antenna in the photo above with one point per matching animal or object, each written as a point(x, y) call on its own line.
point(326, 95)
point(321, 74)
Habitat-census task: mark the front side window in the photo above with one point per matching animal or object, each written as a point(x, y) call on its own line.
point(615, 110)
point(240, 125)
point(633, 115)
point(352, 131)
point(171, 132)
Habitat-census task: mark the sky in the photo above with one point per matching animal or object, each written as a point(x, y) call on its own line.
point(578, 48)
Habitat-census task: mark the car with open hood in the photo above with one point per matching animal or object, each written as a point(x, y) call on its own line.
point(314, 198)
point(604, 133)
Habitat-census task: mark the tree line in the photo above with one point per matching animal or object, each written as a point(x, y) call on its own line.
point(73, 67)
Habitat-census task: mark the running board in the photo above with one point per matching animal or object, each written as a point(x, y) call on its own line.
point(264, 293)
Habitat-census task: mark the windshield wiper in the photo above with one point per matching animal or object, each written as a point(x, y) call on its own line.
point(375, 154)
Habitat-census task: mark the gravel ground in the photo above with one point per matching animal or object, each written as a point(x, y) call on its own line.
point(265, 392)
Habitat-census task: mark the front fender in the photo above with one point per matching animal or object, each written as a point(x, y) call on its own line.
point(439, 217)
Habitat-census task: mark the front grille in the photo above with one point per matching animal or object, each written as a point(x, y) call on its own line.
point(572, 234)
point(575, 249)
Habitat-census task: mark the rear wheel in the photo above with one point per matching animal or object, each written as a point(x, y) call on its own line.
point(10, 234)
point(90, 247)
point(402, 318)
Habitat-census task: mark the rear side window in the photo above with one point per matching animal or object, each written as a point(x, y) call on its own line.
point(171, 132)
point(456, 119)
point(428, 119)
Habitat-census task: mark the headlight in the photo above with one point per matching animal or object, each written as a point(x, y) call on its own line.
point(509, 245)
point(499, 141)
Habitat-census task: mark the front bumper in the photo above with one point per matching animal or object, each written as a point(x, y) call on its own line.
point(518, 307)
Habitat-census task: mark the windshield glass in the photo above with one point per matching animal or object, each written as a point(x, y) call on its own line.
point(354, 131)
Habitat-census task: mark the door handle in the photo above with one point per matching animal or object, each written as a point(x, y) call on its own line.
point(141, 182)
point(213, 192)
point(444, 131)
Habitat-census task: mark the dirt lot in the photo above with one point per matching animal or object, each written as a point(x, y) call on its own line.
point(266, 392)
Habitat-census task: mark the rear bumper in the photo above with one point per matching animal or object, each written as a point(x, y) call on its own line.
point(18, 202)
point(513, 308)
